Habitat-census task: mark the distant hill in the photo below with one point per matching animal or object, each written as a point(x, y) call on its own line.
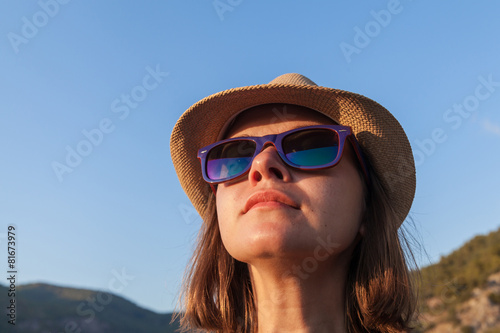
point(461, 293)
point(44, 308)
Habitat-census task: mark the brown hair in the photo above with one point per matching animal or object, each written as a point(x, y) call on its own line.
point(380, 294)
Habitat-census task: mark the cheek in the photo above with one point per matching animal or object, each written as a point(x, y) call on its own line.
point(223, 205)
point(338, 203)
point(226, 209)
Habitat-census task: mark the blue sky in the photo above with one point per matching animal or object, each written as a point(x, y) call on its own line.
point(110, 79)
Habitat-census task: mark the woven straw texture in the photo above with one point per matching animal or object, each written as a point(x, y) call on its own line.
point(378, 132)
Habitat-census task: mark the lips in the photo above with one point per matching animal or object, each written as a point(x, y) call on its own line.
point(269, 196)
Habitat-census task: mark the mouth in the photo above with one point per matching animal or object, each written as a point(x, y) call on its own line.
point(270, 199)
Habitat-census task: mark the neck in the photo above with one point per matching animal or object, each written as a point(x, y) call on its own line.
point(296, 298)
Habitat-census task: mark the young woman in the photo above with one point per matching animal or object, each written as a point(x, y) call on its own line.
point(302, 190)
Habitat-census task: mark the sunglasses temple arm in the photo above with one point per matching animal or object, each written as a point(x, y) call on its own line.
point(361, 157)
point(214, 189)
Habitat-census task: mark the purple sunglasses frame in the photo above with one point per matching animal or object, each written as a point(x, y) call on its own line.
point(343, 132)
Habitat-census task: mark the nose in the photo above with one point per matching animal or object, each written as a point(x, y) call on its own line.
point(268, 165)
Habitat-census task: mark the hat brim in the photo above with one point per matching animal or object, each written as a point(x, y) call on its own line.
point(380, 135)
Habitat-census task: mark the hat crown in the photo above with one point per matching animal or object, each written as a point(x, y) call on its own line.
point(293, 78)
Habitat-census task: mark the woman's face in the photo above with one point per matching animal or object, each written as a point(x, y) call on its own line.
point(297, 213)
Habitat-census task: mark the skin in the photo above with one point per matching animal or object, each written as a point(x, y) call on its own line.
point(297, 254)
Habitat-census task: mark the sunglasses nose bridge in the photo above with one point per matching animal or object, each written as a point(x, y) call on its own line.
point(266, 141)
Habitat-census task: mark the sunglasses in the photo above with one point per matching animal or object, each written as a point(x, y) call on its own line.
point(306, 148)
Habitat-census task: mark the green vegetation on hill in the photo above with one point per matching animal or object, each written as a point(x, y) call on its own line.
point(453, 278)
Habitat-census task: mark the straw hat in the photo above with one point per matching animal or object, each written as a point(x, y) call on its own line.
point(381, 136)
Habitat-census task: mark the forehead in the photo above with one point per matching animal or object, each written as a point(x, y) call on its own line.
point(275, 118)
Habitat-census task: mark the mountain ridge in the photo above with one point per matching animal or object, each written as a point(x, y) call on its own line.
point(43, 307)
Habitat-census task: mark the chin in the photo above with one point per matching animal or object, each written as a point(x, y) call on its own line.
point(271, 244)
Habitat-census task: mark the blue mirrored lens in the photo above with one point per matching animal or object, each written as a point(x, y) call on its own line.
point(229, 159)
point(313, 157)
point(227, 167)
point(310, 148)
